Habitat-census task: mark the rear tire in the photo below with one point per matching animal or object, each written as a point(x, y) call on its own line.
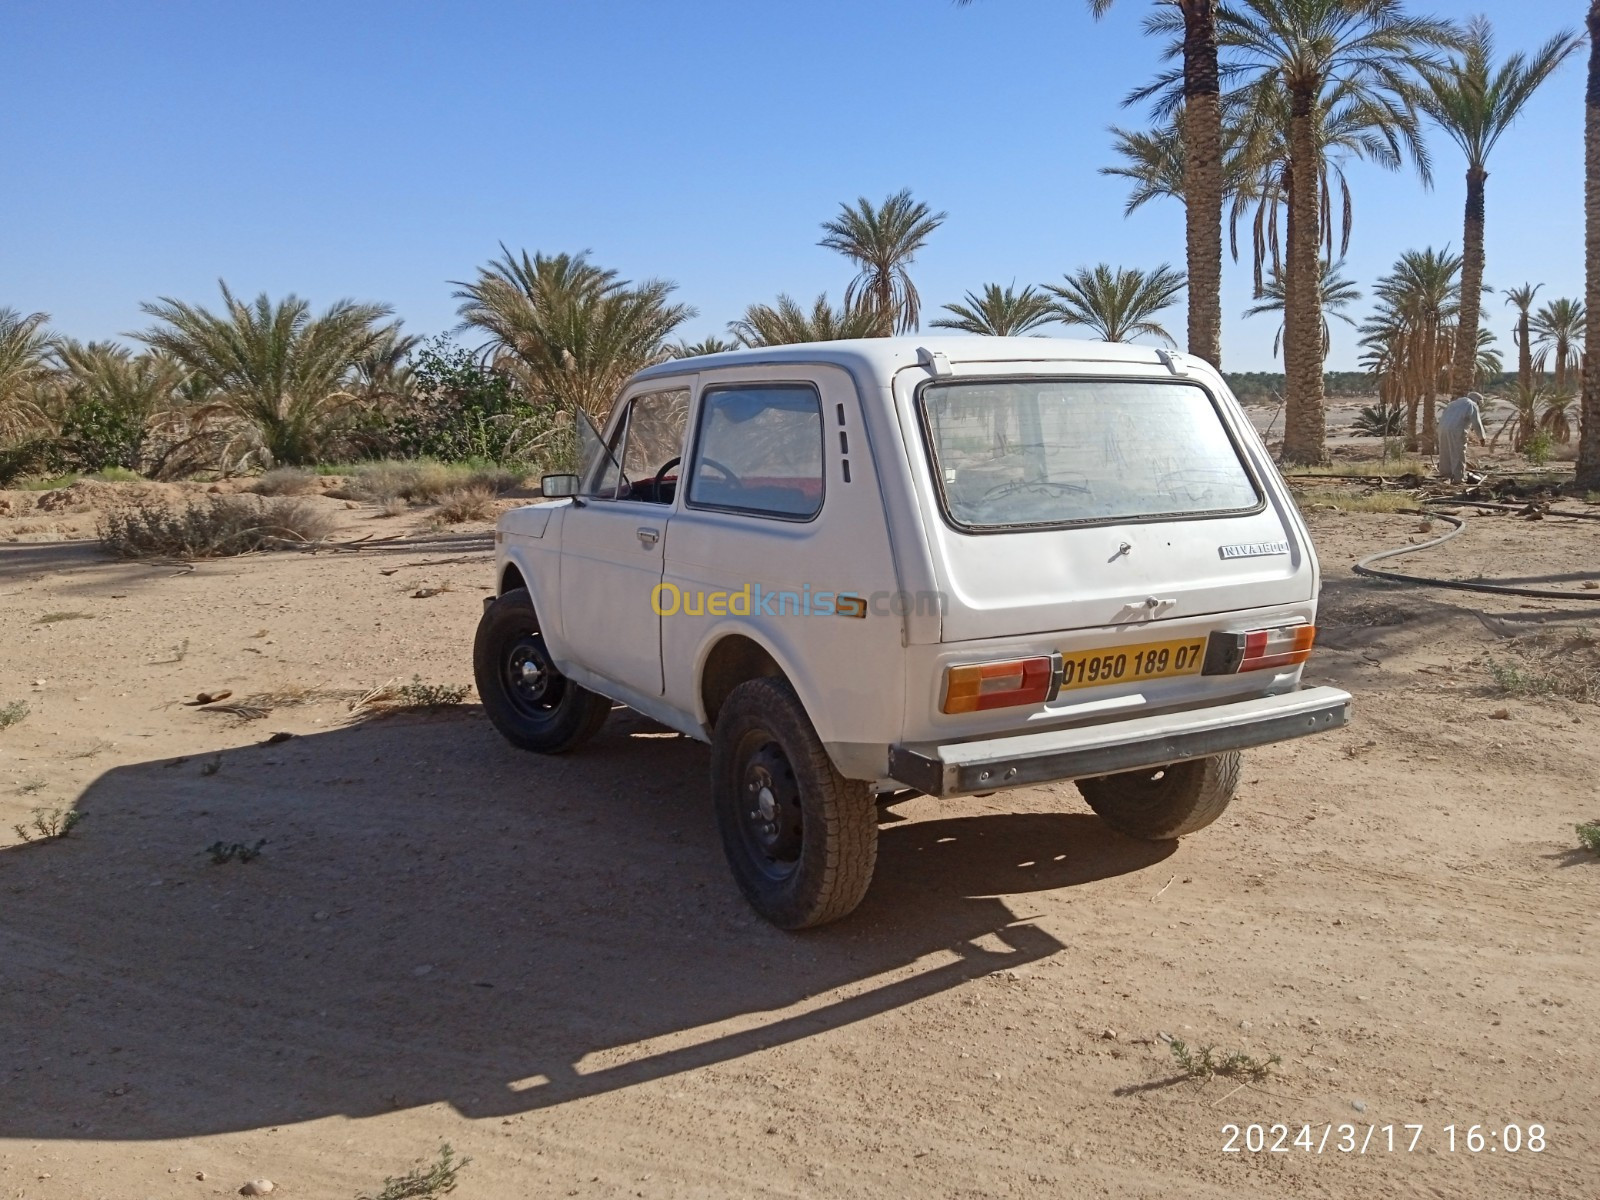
point(1161, 803)
point(800, 838)
point(529, 701)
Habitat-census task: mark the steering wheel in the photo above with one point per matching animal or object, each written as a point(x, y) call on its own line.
point(655, 484)
point(1048, 486)
point(722, 468)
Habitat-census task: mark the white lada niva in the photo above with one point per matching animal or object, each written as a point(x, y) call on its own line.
point(948, 566)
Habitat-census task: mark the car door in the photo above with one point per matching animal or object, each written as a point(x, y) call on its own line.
point(613, 541)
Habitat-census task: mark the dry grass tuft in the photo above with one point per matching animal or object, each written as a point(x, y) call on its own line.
point(13, 713)
point(1390, 469)
point(218, 527)
point(262, 704)
point(1560, 664)
point(55, 618)
point(474, 503)
point(1344, 500)
point(424, 481)
point(286, 481)
point(395, 697)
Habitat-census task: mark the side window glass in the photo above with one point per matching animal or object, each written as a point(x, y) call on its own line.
point(759, 450)
point(601, 478)
point(649, 437)
point(654, 441)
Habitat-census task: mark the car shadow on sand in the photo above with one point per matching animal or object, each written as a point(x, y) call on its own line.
point(438, 917)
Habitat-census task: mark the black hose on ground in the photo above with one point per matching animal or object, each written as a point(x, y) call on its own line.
point(1364, 566)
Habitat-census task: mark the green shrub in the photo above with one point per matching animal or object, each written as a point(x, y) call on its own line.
point(96, 435)
point(1537, 448)
point(460, 409)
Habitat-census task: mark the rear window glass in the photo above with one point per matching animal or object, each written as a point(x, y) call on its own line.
point(1054, 452)
point(760, 451)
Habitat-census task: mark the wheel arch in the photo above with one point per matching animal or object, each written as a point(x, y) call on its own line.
point(730, 659)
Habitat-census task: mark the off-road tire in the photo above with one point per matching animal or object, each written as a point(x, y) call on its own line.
point(816, 864)
point(1161, 803)
point(558, 717)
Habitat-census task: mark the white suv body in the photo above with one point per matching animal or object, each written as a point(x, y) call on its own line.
point(976, 563)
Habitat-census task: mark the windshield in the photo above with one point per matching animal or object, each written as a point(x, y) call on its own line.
point(1060, 451)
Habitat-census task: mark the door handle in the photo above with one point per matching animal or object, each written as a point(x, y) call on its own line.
point(648, 537)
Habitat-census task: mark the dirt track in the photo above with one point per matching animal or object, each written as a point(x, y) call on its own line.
point(544, 963)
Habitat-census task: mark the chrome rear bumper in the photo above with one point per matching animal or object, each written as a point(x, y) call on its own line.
point(962, 768)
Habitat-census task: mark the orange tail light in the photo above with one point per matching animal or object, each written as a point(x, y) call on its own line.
point(999, 684)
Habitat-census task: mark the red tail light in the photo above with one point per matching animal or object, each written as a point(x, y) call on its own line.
point(1259, 649)
point(998, 684)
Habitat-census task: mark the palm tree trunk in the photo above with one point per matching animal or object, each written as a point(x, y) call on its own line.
point(1202, 132)
point(1466, 355)
point(1561, 365)
point(1524, 351)
point(1305, 433)
point(1430, 382)
point(1588, 472)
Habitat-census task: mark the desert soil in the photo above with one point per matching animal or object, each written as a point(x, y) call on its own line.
point(543, 962)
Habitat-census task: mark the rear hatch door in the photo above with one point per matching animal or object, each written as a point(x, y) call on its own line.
point(1067, 501)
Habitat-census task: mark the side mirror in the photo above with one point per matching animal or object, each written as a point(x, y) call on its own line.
point(557, 487)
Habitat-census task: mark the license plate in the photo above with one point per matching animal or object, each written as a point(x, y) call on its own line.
point(1133, 664)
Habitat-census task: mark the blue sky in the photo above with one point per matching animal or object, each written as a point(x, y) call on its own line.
point(378, 151)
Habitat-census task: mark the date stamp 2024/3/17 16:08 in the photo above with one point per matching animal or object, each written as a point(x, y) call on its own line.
point(1510, 1138)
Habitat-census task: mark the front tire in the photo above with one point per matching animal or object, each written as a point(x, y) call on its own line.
point(800, 838)
point(1158, 804)
point(529, 701)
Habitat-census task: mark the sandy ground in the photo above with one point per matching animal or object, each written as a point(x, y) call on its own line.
point(544, 963)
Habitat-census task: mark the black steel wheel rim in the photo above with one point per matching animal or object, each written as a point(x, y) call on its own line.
point(531, 681)
point(769, 816)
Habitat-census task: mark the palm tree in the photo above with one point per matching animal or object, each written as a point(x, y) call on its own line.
point(1117, 304)
point(786, 323)
point(999, 312)
point(1303, 56)
point(1475, 103)
point(286, 374)
point(1522, 298)
point(1204, 181)
point(1419, 300)
point(882, 242)
point(1556, 419)
point(114, 402)
point(1557, 330)
point(1588, 467)
point(711, 344)
point(1527, 401)
point(24, 366)
point(570, 332)
point(1338, 294)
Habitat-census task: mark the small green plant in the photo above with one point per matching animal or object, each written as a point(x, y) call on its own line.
point(48, 824)
point(1589, 836)
point(1380, 420)
point(222, 852)
point(1537, 448)
point(55, 618)
point(393, 697)
point(32, 787)
point(1571, 676)
point(1236, 1065)
point(11, 714)
point(425, 1181)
